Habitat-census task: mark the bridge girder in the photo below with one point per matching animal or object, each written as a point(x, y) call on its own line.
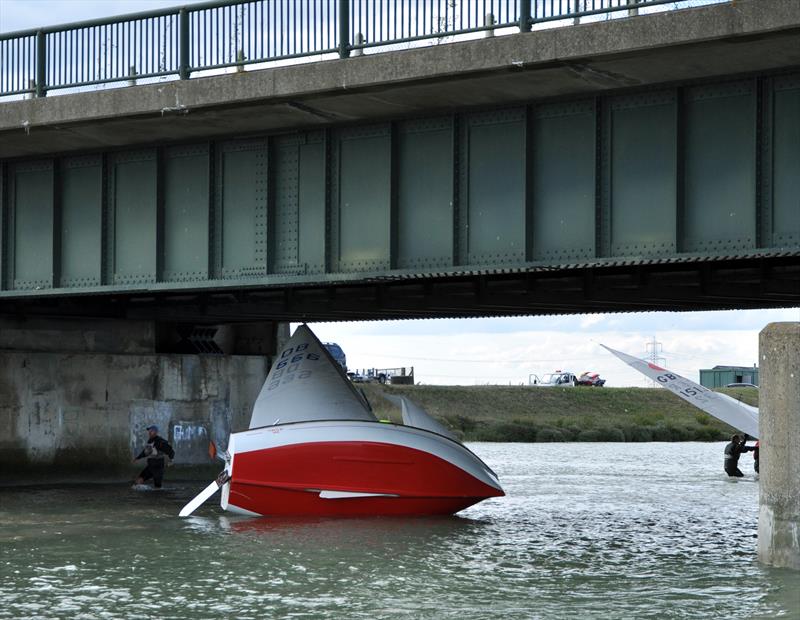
point(707, 285)
point(593, 199)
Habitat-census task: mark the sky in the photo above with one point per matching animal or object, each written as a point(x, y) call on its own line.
point(502, 350)
point(508, 350)
point(25, 14)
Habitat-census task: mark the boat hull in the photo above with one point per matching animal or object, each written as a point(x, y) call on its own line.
point(352, 469)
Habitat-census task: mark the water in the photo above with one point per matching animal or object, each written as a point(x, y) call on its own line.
point(586, 531)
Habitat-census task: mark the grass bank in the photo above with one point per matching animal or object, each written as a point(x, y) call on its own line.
point(520, 413)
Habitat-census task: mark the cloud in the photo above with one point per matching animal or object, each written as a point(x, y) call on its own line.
point(590, 320)
point(26, 14)
point(509, 350)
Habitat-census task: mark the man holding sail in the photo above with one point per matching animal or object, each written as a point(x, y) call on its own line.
point(732, 453)
point(741, 416)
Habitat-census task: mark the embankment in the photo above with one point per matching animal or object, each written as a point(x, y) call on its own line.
point(521, 413)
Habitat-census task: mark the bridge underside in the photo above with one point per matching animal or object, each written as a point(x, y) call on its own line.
point(663, 198)
point(748, 282)
point(672, 197)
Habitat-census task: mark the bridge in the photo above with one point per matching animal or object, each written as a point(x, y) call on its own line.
point(649, 162)
point(179, 182)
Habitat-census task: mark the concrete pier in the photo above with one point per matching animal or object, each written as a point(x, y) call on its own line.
point(76, 396)
point(779, 427)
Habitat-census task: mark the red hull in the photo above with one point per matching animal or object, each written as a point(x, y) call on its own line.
point(287, 481)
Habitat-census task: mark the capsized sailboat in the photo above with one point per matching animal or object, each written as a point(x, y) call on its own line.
point(314, 447)
point(739, 415)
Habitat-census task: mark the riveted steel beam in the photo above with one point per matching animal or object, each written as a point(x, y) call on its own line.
point(568, 205)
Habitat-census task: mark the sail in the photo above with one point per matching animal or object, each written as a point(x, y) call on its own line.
point(739, 415)
point(416, 416)
point(306, 384)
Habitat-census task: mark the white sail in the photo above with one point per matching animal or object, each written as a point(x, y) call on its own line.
point(416, 416)
point(306, 384)
point(739, 415)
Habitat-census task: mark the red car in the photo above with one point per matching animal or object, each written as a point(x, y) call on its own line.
point(591, 379)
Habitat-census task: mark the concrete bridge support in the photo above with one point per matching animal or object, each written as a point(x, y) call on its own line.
point(779, 426)
point(76, 396)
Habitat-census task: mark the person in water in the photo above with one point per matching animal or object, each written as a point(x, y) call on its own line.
point(157, 451)
point(732, 453)
point(755, 457)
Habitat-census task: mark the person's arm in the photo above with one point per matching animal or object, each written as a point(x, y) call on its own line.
point(163, 446)
point(145, 452)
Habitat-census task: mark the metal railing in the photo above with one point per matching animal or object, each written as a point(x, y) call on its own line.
point(234, 33)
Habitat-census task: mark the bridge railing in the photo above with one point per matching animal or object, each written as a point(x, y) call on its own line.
point(235, 33)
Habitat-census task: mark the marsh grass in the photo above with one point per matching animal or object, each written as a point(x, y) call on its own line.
point(521, 413)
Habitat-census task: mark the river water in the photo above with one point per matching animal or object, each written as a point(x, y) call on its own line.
point(586, 531)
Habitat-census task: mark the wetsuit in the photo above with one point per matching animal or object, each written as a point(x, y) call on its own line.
point(155, 463)
point(732, 453)
point(755, 457)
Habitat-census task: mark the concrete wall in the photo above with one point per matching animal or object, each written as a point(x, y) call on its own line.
point(77, 335)
point(83, 414)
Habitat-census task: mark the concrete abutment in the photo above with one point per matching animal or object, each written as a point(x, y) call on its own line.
point(75, 396)
point(779, 428)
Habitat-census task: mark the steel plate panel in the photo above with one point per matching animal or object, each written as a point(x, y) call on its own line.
point(81, 221)
point(243, 209)
point(425, 195)
point(563, 177)
point(32, 203)
point(311, 196)
point(285, 215)
point(720, 156)
point(364, 201)
point(495, 217)
point(135, 215)
point(786, 167)
point(3, 226)
point(186, 214)
point(643, 178)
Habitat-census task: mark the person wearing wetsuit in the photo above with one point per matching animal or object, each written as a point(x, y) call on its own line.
point(732, 453)
point(156, 451)
point(755, 457)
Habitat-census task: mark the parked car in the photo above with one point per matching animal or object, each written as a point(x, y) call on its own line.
point(336, 353)
point(556, 379)
point(370, 377)
point(591, 379)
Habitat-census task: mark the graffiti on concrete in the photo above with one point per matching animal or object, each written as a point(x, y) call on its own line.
point(190, 432)
point(190, 440)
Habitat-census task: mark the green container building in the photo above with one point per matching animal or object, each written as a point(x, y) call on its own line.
point(720, 376)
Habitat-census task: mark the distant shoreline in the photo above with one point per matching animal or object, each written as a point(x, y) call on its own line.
point(536, 414)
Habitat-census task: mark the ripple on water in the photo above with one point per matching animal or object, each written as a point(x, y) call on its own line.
point(586, 531)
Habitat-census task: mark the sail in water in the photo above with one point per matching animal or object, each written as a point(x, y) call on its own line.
point(305, 384)
point(739, 415)
point(416, 416)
